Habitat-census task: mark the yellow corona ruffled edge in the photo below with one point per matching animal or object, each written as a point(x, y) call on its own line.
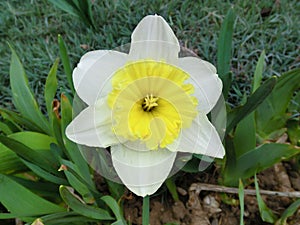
point(172, 109)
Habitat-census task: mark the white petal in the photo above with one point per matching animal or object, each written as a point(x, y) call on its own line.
point(200, 138)
point(208, 86)
point(92, 127)
point(154, 39)
point(142, 172)
point(93, 72)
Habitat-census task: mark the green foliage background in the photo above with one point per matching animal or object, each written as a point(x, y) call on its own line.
point(32, 26)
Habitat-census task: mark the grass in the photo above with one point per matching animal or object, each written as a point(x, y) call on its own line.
point(32, 26)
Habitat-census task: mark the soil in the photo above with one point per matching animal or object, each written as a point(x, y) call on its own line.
point(212, 208)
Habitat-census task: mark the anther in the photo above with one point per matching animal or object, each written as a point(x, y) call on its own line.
point(149, 103)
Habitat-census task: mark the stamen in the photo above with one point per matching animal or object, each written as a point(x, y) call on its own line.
point(149, 103)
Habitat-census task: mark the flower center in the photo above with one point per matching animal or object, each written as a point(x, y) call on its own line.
point(149, 103)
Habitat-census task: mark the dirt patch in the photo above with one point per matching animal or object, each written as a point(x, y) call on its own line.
point(211, 208)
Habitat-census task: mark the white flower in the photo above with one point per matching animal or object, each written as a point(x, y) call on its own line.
point(146, 105)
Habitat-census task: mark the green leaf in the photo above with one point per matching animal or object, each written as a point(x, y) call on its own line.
point(65, 218)
point(35, 156)
point(5, 128)
point(258, 71)
point(33, 140)
point(71, 148)
point(67, 6)
point(293, 130)
point(271, 115)
point(40, 188)
point(289, 212)
point(86, 11)
point(252, 103)
point(28, 204)
point(119, 222)
point(245, 135)
point(66, 62)
point(191, 166)
point(113, 205)
point(81, 208)
point(22, 95)
point(17, 119)
point(172, 188)
point(4, 216)
point(45, 174)
point(266, 214)
point(225, 49)
point(77, 181)
point(10, 162)
point(117, 190)
point(294, 106)
point(78, 8)
point(258, 159)
point(245, 132)
point(241, 198)
point(51, 88)
point(38, 142)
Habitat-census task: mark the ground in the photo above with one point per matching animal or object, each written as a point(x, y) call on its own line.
point(209, 207)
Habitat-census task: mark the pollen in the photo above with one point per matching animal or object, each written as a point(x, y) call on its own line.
point(149, 103)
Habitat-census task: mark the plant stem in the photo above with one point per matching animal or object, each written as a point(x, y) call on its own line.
point(146, 210)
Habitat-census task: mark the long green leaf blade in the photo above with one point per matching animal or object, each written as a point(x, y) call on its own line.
point(252, 103)
point(113, 205)
point(16, 119)
point(224, 50)
point(66, 62)
point(22, 202)
point(45, 174)
point(81, 208)
point(10, 162)
point(68, 218)
point(289, 212)
point(271, 114)
point(258, 71)
point(258, 159)
point(22, 95)
point(67, 6)
point(72, 150)
point(34, 156)
point(51, 88)
point(266, 214)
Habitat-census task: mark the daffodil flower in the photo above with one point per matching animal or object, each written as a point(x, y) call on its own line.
point(146, 105)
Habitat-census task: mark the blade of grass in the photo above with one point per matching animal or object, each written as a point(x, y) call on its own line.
point(258, 74)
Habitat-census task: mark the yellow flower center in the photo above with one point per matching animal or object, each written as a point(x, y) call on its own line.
point(151, 103)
